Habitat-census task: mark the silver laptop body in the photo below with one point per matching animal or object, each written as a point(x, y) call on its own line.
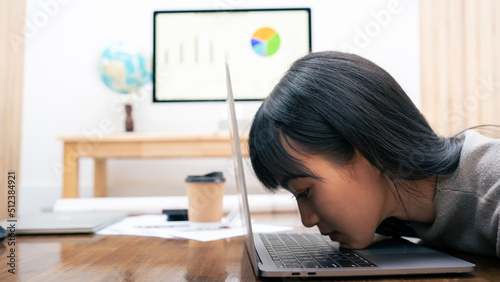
point(388, 257)
point(62, 223)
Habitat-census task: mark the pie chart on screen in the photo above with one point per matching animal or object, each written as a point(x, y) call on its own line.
point(265, 41)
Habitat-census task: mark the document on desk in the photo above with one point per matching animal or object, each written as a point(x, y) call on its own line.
point(157, 226)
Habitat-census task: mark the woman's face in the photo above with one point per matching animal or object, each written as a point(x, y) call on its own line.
point(348, 203)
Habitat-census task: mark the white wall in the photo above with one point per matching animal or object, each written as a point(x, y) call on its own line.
point(63, 93)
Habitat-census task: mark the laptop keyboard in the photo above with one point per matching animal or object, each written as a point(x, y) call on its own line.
point(302, 250)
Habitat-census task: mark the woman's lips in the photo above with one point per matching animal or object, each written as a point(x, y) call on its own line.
point(333, 236)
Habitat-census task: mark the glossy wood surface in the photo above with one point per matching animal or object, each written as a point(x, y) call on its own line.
point(129, 258)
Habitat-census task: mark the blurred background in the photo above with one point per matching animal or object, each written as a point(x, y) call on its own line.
point(445, 54)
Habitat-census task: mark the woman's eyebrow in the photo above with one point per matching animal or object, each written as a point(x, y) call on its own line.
point(290, 189)
point(285, 182)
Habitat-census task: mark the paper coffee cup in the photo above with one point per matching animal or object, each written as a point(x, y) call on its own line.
point(205, 194)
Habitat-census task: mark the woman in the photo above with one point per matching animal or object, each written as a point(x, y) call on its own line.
point(341, 135)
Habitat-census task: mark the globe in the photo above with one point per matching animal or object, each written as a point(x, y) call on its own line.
point(123, 69)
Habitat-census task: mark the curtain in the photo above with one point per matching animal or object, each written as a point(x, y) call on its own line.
point(12, 15)
point(460, 53)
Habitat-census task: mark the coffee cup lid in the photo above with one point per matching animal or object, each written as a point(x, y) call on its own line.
point(216, 176)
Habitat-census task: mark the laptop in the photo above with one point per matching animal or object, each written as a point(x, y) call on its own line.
point(61, 223)
point(309, 254)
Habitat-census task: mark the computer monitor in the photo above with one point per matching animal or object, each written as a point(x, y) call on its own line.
point(191, 47)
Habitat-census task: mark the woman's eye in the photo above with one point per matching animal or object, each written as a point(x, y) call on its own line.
point(303, 194)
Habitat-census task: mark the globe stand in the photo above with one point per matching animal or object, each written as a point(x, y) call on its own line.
point(129, 122)
point(125, 71)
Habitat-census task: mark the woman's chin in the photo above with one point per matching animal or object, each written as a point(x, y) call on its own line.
point(355, 245)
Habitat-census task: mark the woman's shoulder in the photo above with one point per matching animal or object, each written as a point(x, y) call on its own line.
point(478, 170)
point(475, 138)
point(480, 154)
point(478, 173)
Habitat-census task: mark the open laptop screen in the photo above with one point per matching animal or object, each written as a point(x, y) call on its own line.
point(239, 174)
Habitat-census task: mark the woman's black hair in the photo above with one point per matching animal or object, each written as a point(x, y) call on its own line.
point(333, 103)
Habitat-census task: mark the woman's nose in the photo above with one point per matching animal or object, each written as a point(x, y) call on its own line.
point(307, 215)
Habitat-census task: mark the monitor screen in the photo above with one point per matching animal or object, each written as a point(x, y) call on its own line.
point(191, 47)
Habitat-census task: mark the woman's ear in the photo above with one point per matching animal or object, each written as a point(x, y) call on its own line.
point(366, 165)
point(358, 157)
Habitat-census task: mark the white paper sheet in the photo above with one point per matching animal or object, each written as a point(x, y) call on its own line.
point(157, 226)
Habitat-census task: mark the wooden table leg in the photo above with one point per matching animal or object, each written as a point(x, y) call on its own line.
point(100, 179)
point(70, 171)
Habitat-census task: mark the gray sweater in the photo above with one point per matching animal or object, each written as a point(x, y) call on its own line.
point(467, 202)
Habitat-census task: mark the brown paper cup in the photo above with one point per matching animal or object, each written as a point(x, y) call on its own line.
point(205, 194)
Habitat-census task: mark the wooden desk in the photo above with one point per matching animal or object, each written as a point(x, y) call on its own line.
point(135, 145)
point(128, 258)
